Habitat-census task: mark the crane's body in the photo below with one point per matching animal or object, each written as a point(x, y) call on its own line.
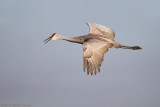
point(95, 45)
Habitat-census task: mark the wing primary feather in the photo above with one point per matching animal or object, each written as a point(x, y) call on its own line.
point(84, 64)
point(87, 67)
point(95, 71)
point(94, 67)
point(90, 63)
point(98, 67)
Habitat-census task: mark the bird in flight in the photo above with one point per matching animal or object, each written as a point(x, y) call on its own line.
point(95, 44)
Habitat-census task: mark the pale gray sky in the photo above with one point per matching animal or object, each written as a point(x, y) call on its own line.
point(52, 75)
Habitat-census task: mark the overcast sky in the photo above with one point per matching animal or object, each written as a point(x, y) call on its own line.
point(52, 75)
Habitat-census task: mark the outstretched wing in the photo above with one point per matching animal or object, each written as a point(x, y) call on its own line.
point(93, 54)
point(100, 30)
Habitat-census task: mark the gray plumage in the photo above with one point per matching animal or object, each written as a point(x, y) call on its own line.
point(98, 41)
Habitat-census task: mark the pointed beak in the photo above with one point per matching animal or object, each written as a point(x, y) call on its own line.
point(47, 40)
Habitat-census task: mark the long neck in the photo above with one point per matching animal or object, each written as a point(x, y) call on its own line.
point(74, 39)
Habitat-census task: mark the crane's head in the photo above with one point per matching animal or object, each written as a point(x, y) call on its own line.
point(54, 36)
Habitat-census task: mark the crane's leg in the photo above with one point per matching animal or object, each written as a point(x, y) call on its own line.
point(128, 47)
point(116, 45)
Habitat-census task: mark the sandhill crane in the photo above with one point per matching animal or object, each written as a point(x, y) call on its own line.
point(95, 44)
